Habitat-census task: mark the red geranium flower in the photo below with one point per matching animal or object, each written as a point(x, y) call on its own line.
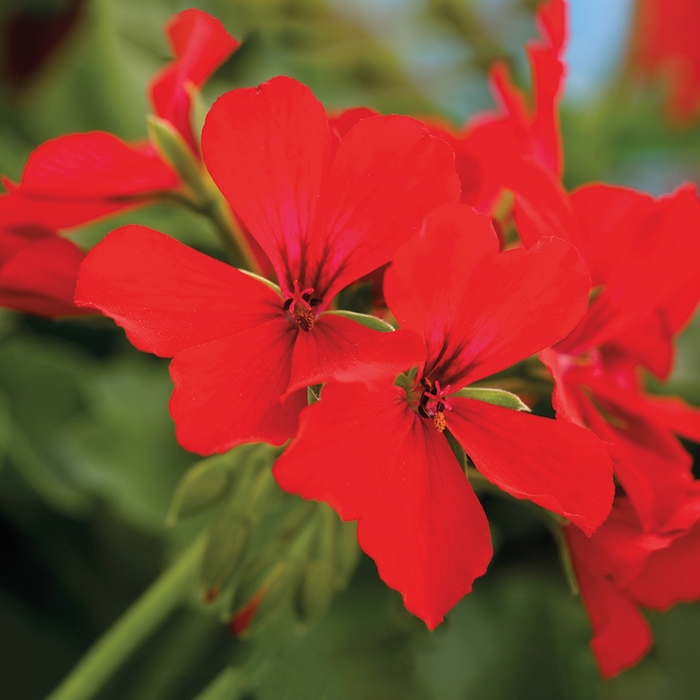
point(622, 567)
point(645, 267)
point(38, 271)
point(73, 180)
point(665, 44)
point(200, 44)
point(326, 210)
point(380, 455)
point(491, 147)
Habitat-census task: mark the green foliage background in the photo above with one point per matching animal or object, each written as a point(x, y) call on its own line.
point(89, 461)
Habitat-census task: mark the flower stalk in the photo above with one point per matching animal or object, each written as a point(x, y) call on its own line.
point(105, 657)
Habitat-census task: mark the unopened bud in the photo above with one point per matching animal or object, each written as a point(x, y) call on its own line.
point(175, 151)
point(202, 487)
point(317, 584)
point(226, 546)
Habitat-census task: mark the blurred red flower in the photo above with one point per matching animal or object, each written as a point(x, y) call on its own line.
point(665, 45)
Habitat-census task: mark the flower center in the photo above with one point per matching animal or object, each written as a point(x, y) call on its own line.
point(300, 306)
point(433, 403)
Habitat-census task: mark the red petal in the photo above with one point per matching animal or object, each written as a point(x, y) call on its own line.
point(671, 575)
point(40, 278)
point(538, 133)
point(427, 530)
point(548, 77)
point(621, 634)
point(200, 44)
point(649, 342)
point(662, 256)
point(418, 517)
point(342, 123)
point(91, 166)
point(19, 211)
point(542, 206)
point(609, 218)
point(479, 320)
point(228, 391)
point(167, 296)
point(554, 464)
point(12, 240)
point(388, 173)
point(328, 462)
point(340, 349)
point(268, 150)
point(565, 397)
point(652, 467)
point(665, 46)
point(426, 284)
point(676, 415)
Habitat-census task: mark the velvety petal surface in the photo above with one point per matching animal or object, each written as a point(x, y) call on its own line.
point(370, 457)
point(268, 150)
point(93, 165)
point(168, 296)
point(557, 465)
point(340, 349)
point(479, 320)
point(228, 391)
point(387, 174)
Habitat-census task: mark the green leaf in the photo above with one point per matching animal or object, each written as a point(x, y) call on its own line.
point(372, 322)
point(498, 397)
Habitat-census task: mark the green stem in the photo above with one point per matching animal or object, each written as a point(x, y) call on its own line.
point(232, 238)
point(140, 620)
point(223, 686)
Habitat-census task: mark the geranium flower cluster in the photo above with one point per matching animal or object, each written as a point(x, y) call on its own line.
point(598, 281)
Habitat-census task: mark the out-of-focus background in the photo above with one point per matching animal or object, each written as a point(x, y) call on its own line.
point(88, 456)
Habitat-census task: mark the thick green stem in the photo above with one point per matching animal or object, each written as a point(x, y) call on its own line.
point(99, 664)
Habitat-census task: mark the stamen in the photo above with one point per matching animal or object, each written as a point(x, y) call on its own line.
point(433, 403)
point(300, 306)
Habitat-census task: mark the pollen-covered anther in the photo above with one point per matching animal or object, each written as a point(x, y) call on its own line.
point(433, 403)
point(300, 305)
point(439, 422)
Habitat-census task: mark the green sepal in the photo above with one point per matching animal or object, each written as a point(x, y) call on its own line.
point(313, 393)
point(264, 280)
point(567, 564)
point(203, 486)
point(227, 543)
point(407, 380)
point(212, 480)
point(348, 553)
point(366, 320)
point(315, 590)
point(457, 450)
point(178, 154)
point(198, 111)
point(273, 579)
point(498, 397)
